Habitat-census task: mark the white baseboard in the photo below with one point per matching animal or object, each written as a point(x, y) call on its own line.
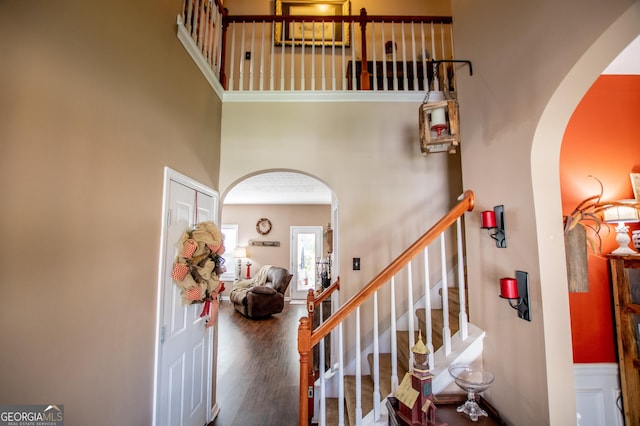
point(597, 394)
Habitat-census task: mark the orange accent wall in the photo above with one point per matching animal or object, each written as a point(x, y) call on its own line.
point(602, 139)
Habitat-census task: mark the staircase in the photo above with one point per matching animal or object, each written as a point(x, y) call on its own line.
point(386, 353)
point(385, 362)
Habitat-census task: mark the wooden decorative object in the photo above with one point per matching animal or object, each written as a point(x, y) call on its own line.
point(577, 257)
point(447, 142)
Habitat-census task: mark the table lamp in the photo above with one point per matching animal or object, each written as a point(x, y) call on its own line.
point(621, 215)
point(239, 253)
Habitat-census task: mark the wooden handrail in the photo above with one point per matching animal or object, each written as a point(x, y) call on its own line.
point(337, 18)
point(327, 291)
point(308, 338)
point(466, 204)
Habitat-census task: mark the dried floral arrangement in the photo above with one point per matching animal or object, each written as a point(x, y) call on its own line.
point(589, 213)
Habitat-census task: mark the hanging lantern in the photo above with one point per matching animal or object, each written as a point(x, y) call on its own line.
point(439, 124)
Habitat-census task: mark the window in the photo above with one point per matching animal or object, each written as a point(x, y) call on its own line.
point(230, 233)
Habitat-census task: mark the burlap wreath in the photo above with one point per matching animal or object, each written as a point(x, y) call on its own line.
point(198, 267)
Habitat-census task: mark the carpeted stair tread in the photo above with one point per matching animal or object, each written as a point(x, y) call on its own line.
point(350, 396)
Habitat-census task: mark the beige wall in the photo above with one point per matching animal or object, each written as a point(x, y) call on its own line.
point(97, 98)
point(529, 74)
point(282, 218)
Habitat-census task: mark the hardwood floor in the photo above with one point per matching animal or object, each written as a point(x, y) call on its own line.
point(258, 376)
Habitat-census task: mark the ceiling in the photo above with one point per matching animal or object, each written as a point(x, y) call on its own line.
point(279, 188)
point(298, 188)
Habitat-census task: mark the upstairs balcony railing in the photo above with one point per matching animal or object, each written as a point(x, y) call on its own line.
point(288, 53)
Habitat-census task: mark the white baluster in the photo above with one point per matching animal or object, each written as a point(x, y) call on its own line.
point(271, 59)
point(394, 339)
point(425, 74)
point(321, 364)
point(427, 309)
point(405, 80)
point(293, 50)
point(333, 57)
point(282, 55)
point(410, 315)
point(232, 66)
point(313, 55)
point(373, 49)
point(340, 376)
point(358, 371)
point(241, 76)
point(324, 77)
point(385, 84)
point(303, 84)
point(354, 76)
point(394, 69)
point(434, 56)
point(262, 56)
point(413, 58)
point(376, 360)
point(464, 330)
point(252, 53)
point(446, 331)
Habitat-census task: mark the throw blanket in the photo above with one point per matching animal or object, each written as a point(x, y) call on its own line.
point(241, 287)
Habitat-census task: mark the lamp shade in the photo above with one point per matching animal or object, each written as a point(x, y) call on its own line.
point(624, 214)
point(240, 252)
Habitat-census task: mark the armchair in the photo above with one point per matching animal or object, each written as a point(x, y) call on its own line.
point(263, 295)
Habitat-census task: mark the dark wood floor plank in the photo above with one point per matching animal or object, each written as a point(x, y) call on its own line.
point(258, 366)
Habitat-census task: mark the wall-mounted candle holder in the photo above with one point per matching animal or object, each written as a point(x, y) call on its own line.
point(493, 220)
point(516, 291)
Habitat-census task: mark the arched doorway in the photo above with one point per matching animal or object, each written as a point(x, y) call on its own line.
point(266, 205)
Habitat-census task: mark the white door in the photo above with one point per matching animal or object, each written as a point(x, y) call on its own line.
point(185, 351)
point(306, 247)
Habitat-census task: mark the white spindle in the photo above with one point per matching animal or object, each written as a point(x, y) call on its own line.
point(303, 84)
point(272, 54)
point(232, 66)
point(313, 55)
point(358, 371)
point(344, 60)
point(252, 53)
point(405, 80)
point(354, 77)
point(446, 331)
point(425, 73)
point(321, 364)
point(333, 57)
point(394, 339)
point(262, 55)
point(410, 314)
point(436, 80)
point(394, 69)
point(427, 309)
point(292, 87)
point(241, 67)
point(373, 50)
point(464, 330)
point(413, 58)
point(324, 74)
point(376, 360)
point(385, 84)
point(340, 376)
point(201, 22)
point(282, 55)
point(445, 76)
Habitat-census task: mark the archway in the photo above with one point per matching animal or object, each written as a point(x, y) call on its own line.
point(283, 199)
point(546, 191)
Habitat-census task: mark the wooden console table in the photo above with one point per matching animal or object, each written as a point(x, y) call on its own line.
point(399, 74)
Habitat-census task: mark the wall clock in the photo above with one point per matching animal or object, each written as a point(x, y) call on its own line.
point(263, 226)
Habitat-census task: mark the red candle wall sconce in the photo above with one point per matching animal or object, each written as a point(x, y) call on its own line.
point(516, 291)
point(493, 220)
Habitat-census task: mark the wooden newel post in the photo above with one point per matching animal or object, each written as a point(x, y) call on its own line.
point(223, 50)
point(364, 73)
point(304, 349)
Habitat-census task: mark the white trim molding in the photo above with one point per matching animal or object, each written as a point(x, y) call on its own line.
point(598, 394)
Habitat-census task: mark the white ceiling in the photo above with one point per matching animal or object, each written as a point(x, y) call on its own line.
point(279, 188)
point(297, 188)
